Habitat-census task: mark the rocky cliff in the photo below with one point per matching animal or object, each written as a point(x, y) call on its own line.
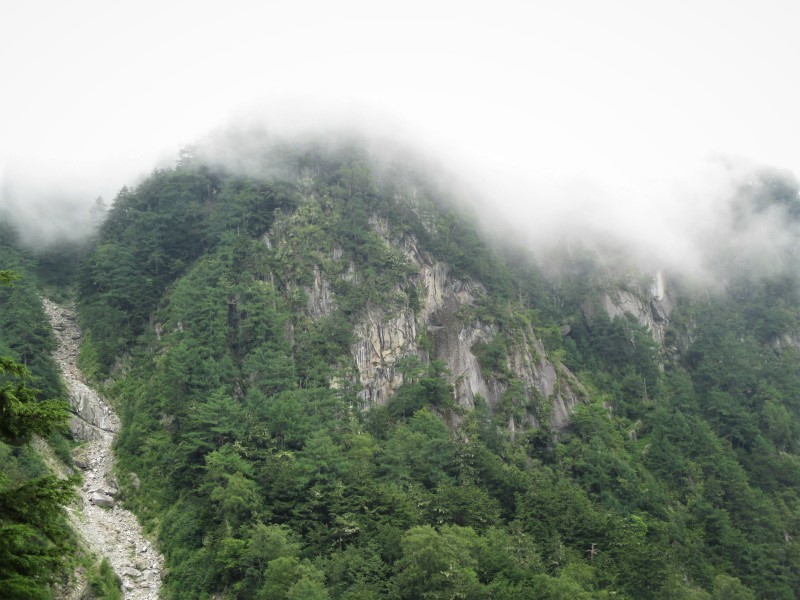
point(444, 328)
point(651, 305)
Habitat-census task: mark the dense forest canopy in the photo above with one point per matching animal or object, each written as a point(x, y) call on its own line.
point(222, 303)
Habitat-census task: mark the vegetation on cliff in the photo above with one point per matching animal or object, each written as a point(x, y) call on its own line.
point(37, 546)
point(220, 306)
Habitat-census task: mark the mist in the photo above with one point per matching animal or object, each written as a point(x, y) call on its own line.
point(47, 212)
point(706, 222)
point(619, 125)
point(685, 219)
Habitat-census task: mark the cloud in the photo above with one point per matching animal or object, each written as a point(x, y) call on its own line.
point(44, 211)
point(680, 215)
point(590, 118)
point(699, 219)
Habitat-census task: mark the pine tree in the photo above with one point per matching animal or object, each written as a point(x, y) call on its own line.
point(34, 535)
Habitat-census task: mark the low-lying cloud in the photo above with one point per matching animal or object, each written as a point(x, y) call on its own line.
point(578, 117)
point(701, 217)
point(684, 215)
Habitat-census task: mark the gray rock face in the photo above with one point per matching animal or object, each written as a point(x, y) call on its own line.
point(102, 500)
point(131, 572)
point(787, 340)
point(320, 297)
point(567, 396)
point(151, 575)
point(92, 419)
point(651, 307)
point(384, 338)
point(90, 408)
point(452, 343)
point(549, 385)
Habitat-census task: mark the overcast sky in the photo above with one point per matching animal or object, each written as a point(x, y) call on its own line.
point(620, 97)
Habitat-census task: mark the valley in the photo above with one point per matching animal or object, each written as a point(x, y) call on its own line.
point(107, 529)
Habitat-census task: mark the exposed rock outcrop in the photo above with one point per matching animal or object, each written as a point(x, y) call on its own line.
point(453, 343)
point(320, 296)
point(651, 307)
point(90, 420)
point(384, 338)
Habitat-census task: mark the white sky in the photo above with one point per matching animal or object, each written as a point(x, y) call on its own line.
point(617, 93)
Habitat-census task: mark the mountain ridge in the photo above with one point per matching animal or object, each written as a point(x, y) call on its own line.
point(331, 357)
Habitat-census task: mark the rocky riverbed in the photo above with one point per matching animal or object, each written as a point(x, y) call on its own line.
point(107, 528)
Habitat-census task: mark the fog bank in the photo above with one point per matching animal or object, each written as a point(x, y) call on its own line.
point(592, 119)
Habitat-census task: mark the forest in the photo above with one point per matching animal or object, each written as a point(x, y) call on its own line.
point(38, 548)
point(249, 451)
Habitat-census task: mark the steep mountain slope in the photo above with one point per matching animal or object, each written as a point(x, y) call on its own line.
point(40, 556)
point(109, 531)
point(331, 386)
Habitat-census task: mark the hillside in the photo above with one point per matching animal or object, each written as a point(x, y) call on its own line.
point(40, 554)
point(332, 386)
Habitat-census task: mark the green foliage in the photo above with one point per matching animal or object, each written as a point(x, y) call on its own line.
point(233, 301)
point(151, 234)
point(25, 334)
point(437, 564)
point(424, 386)
point(730, 588)
point(8, 277)
point(492, 357)
point(22, 415)
point(104, 583)
point(57, 265)
point(36, 543)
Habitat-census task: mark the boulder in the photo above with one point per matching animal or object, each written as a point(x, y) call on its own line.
point(131, 572)
point(102, 500)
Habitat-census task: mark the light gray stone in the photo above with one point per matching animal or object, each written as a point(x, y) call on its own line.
point(102, 500)
point(131, 572)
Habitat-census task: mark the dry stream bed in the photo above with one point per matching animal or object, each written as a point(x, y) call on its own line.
point(106, 527)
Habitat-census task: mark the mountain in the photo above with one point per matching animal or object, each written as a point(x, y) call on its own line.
point(40, 554)
point(334, 384)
